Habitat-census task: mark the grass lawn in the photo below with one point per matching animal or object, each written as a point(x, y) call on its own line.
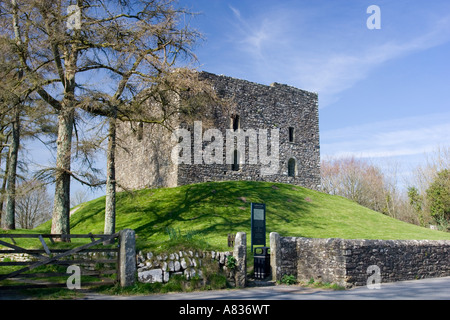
point(201, 215)
point(209, 211)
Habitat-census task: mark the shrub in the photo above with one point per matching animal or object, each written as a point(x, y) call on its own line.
point(288, 279)
point(231, 262)
point(438, 195)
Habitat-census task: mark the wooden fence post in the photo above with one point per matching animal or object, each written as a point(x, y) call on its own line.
point(127, 258)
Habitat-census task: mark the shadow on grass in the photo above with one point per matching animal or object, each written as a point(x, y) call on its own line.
point(212, 207)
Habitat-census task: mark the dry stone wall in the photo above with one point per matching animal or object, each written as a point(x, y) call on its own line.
point(153, 268)
point(16, 257)
point(347, 262)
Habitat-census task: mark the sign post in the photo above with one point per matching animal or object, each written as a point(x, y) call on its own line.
point(258, 219)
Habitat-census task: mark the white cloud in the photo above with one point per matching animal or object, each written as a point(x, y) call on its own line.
point(281, 48)
point(331, 73)
point(236, 12)
point(256, 35)
point(398, 137)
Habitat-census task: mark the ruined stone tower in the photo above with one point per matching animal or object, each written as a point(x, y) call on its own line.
point(287, 114)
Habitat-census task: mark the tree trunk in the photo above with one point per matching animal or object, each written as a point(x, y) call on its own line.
point(110, 205)
point(3, 189)
point(9, 216)
point(61, 205)
point(66, 116)
point(8, 220)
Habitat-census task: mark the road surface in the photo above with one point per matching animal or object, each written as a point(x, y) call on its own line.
point(426, 289)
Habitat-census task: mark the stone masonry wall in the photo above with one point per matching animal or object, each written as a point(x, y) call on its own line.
point(397, 260)
point(346, 262)
point(143, 157)
point(259, 106)
point(283, 256)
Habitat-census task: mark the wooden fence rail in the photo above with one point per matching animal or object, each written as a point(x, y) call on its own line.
point(47, 256)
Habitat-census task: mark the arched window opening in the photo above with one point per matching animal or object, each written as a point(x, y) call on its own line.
point(291, 167)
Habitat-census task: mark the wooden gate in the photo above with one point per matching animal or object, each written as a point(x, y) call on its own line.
point(47, 256)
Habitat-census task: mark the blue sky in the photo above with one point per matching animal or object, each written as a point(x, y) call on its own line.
point(383, 94)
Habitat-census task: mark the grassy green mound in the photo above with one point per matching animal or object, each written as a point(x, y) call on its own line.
point(207, 212)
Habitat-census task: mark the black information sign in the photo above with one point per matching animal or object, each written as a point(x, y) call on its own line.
point(258, 224)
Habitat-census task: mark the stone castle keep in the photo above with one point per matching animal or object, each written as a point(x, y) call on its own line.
point(145, 158)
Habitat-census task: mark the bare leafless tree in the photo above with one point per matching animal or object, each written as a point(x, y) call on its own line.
point(79, 197)
point(355, 179)
point(33, 204)
point(110, 58)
